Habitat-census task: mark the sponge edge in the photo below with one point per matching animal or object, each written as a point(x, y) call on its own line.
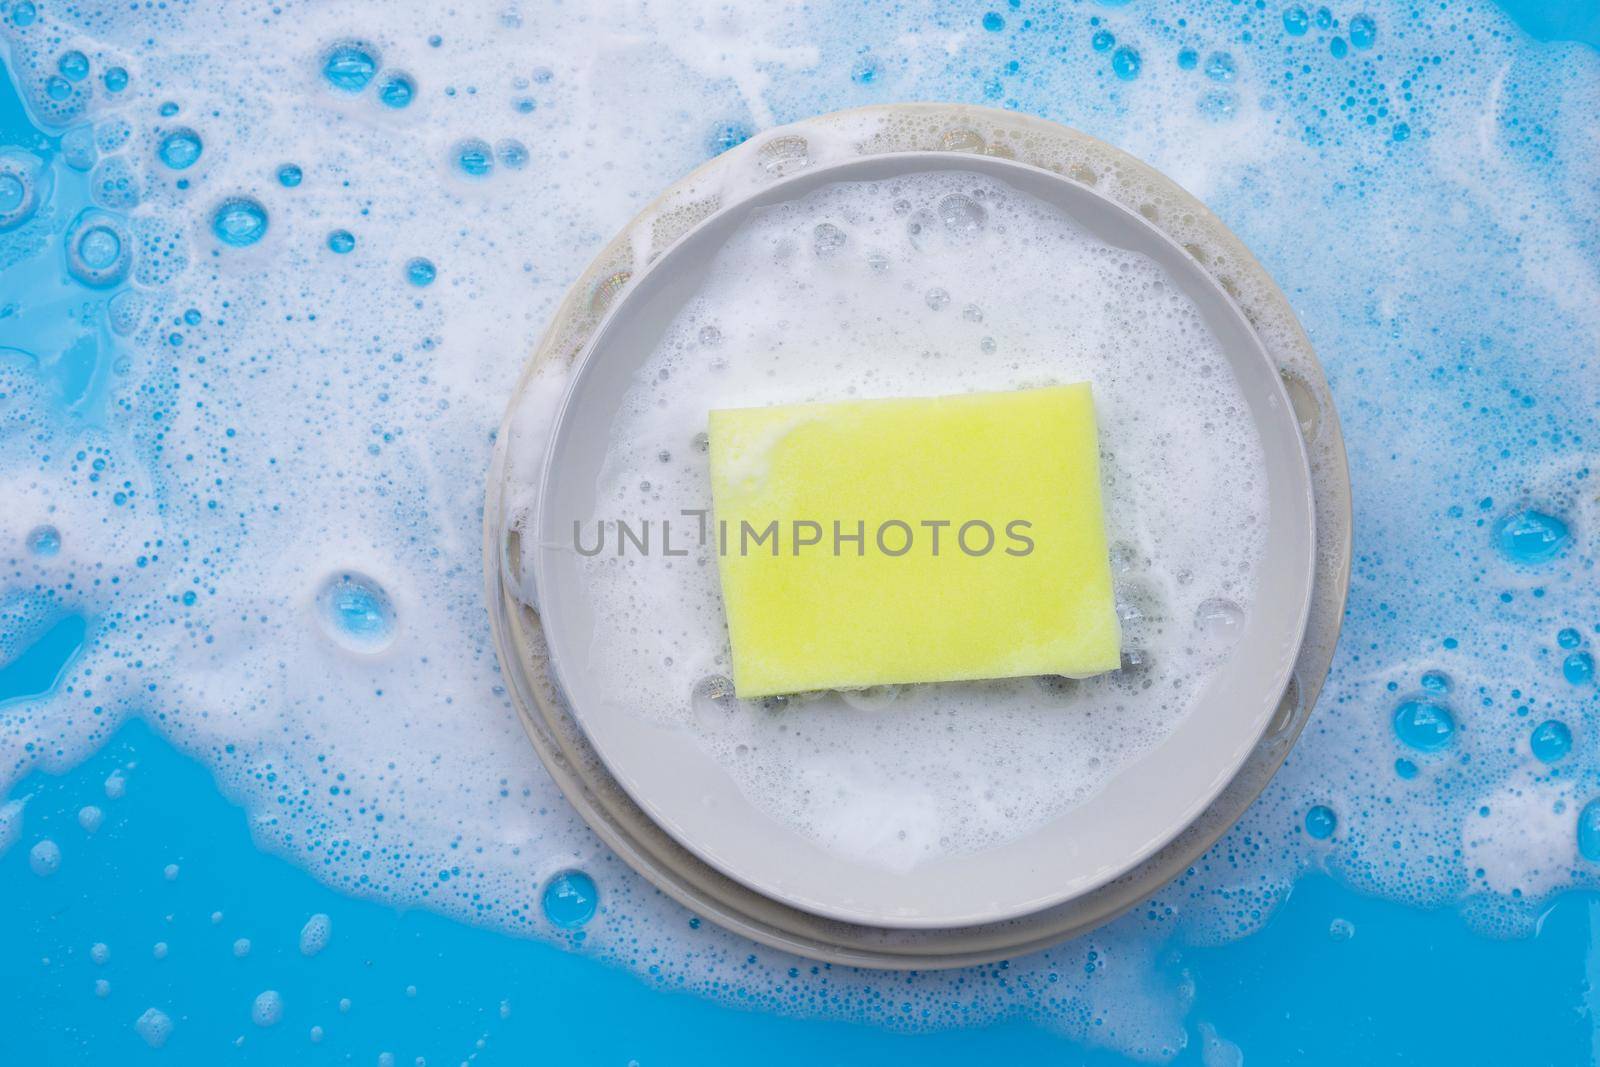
point(942, 539)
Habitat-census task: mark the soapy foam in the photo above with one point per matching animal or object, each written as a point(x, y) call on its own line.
point(1464, 367)
point(932, 284)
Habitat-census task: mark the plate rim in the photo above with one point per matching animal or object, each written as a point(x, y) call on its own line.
point(782, 189)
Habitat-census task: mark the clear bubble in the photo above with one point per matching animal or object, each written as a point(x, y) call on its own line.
point(570, 899)
point(512, 153)
point(1220, 621)
point(937, 298)
point(1295, 21)
point(1550, 741)
point(1321, 822)
point(239, 221)
point(349, 65)
point(421, 272)
point(356, 612)
point(784, 154)
point(44, 540)
point(1341, 930)
point(826, 239)
point(1436, 682)
point(73, 65)
point(115, 79)
point(1125, 63)
point(290, 175)
point(1363, 31)
point(1424, 725)
point(99, 249)
point(341, 242)
point(396, 89)
point(180, 148)
point(473, 157)
point(1578, 668)
point(1531, 536)
point(963, 217)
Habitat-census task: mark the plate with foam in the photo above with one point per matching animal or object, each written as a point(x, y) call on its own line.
point(992, 791)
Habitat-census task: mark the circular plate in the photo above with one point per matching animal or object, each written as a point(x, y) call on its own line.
point(689, 793)
point(960, 130)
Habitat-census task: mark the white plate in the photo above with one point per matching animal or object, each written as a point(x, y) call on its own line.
point(687, 792)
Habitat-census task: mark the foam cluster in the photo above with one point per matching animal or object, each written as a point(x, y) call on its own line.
point(243, 429)
point(924, 285)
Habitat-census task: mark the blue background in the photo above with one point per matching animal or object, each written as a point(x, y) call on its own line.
point(1410, 987)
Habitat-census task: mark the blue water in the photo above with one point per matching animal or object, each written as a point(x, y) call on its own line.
point(155, 407)
point(1414, 984)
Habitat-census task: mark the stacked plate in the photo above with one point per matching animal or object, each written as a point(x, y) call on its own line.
point(663, 804)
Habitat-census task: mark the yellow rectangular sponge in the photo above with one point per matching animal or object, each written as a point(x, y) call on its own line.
point(870, 542)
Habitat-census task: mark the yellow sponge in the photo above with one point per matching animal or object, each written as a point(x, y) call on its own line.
point(913, 540)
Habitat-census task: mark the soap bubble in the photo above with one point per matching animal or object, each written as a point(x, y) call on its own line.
point(570, 899)
point(420, 272)
point(356, 612)
point(44, 540)
point(180, 148)
point(1424, 725)
point(827, 239)
point(1529, 537)
point(349, 65)
point(1550, 741)
point(239, 221)
point(397, 89)
point(963, 217)
point(473, 157)
point(99, 249)
point(1220, 621)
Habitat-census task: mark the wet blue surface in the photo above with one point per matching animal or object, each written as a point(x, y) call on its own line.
point(1409, 987)
point(1334, 976)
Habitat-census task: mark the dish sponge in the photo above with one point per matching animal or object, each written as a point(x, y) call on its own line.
point(870, 542)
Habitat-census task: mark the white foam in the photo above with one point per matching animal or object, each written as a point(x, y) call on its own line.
point(827, 297)
point(1463, 368)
